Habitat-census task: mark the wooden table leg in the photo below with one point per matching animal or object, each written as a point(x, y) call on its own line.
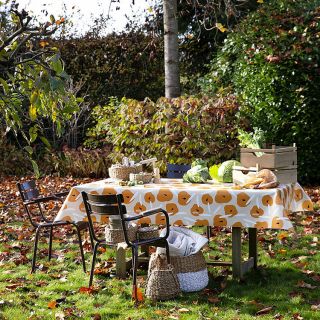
point(253, 246)
point(121, 263)
point(236, 253)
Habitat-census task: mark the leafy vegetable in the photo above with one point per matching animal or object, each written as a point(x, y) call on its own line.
point(225, 170)
point(199, 172)
point(254, 140)
point(213, 171)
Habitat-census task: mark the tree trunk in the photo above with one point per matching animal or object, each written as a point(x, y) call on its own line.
point(171, 54)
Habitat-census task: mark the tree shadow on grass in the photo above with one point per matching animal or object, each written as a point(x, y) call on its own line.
point(278, 287)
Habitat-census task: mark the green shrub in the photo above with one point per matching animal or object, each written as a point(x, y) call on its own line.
point(272, 62)
point(77, 163)
point(173, 130)
point(126, 64)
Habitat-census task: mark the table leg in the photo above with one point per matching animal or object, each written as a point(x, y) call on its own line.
point(236, 253)
point(253, 246)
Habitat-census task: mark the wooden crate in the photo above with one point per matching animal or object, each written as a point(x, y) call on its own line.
point(279, 159)
point(274, 158)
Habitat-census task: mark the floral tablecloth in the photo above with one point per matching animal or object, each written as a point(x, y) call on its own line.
point(197, 204)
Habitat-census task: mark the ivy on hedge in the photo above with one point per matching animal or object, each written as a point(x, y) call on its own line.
point(272, 62)
point(173, 130)
point(126, 64)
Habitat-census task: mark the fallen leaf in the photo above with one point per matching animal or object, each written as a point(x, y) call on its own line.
point(220, 27)
point(213, 299)
point(315, 307)
point(265, 310)
point(52, 304)
point(59, 315)
point(302, 284)
point(182, 310)
point(87, 290)
point(282, 251)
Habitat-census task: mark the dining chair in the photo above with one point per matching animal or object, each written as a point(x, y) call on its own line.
point(177, 170)
point(33, 204)
point(112, 205)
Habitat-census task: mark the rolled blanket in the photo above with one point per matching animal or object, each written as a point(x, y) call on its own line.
point(183, 241)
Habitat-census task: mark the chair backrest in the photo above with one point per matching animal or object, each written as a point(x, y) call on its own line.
point(177, 170)
point(110, 205)
point(28, 190)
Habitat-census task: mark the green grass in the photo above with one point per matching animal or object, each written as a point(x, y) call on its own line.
point(274, 284)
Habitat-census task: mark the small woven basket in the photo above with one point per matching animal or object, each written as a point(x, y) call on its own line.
point(192, 263)
point(115, 236)
point(150, 232)
point(162, 282)
point(123, 172)
point(142, 176)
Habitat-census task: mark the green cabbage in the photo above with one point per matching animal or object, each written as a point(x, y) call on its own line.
point(197, 174)
point(225, 170)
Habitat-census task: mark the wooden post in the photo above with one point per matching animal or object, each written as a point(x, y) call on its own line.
point(253, 246)
point(121, 260)
point(236, 253)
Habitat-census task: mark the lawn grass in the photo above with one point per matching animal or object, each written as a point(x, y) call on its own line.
point(285, 286)
point(54, 291)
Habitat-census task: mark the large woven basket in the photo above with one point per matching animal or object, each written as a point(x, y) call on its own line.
point(162, 282)
point(192, 263)
point(150, 232)
point(115, 236)
point(123, 172)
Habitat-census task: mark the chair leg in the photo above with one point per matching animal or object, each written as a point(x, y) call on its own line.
point(81, 249)
point(35, 248)
point(208, 232)
point(134, 272)
point(93, 262)
point(50, 243)
point(91, 240)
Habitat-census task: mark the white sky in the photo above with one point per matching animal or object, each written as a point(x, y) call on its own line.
point(86, 10)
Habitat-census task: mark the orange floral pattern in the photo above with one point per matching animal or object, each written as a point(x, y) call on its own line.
point(197, 204)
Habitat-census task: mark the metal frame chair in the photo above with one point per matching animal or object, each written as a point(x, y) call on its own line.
point(112, 205)
point(30, 196)
point(177, 170)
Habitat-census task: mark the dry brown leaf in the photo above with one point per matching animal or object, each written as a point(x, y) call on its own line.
point(302, 284)
point(213, 299)
point(265, 310)
point(183, 310)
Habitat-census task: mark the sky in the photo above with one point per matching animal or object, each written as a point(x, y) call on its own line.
point(84, 11)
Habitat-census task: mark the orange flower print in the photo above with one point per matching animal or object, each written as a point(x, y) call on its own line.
point(127, 196)
point(256, 212)
point(207, 199)
point(139, 207)
point(223, 196)
point(164, 195)
point(261, 225)
point(307, 205)
point(73, 195)
point(237, 224)
point(242, 199)
point(183, 198)
point(202, 223)
point(219, 221)
point(267, 200)
point(196, 210)
point(277, 223)
point(230, 210)
point(149, 197)
point(109, 191)
point(172, 208)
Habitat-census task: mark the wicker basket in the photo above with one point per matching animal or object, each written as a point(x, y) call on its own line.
point(115, 236)
point(123, 172)
point(145, 233)
point(142, 176)
point(162, 282)
point(192, 263)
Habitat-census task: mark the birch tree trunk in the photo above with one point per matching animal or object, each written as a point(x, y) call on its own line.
point(171, 52)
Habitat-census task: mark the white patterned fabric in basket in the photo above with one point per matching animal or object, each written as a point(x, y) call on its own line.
point(193, 281)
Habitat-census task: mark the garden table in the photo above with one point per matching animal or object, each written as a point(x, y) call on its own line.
point(202, 205)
